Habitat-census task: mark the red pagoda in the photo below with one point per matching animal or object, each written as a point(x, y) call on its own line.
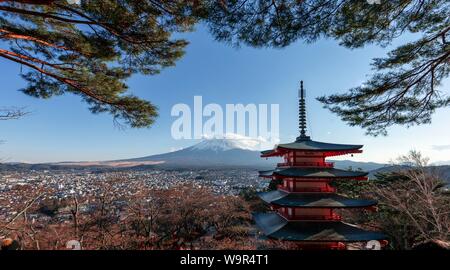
point(304, 203)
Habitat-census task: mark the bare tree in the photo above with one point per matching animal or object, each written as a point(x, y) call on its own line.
point(22, 212)
point(107, 217)
point(11, 113)
point(415, 192)
point(19, 227)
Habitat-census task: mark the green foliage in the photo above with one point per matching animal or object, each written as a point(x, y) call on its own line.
point(274, 183)
point(248, 193)
point(404, 88)
point(384, 180)
point(91, 48)
point(350, 188)
point(250, 196)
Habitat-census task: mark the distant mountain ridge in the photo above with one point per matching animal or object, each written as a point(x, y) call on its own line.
point(224, 152)
point(212, 153)
point(231, 153)
point(209, 153)
point(441, 170)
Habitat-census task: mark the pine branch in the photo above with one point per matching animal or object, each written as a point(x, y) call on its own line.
point(12, 113)
point(5, 34)
point(43, 15)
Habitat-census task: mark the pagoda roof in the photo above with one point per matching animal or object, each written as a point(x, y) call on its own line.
point(312, 200)
point(275, 226)
point(312, 172)
point(308, 145)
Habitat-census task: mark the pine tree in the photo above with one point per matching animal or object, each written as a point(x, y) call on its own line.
point(404, 89)
point(89, 48)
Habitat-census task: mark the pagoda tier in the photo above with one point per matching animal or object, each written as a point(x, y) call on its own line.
point(280, 198)
point(305, 173)
point(304, 145)
point(275, 226)
point(304, 203)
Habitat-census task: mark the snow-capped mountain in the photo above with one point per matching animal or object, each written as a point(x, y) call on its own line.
point(230, 151)
point(233, 151)
point(229, 142)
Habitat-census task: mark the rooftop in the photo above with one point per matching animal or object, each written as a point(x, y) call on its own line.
point(274, 226)
point(312, 200)
point(312, 172)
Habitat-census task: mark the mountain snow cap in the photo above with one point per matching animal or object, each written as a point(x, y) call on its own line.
point(230, 141)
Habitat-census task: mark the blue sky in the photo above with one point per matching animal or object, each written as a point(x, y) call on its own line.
point(62, 128)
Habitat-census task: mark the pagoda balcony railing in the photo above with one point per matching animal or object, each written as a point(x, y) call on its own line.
point(306, 164)
point(333, 217)
point(308, 189)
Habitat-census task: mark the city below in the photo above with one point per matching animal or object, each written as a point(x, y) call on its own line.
point(15, 186)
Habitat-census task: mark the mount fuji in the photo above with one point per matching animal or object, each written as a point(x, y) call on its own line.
point(231, 151)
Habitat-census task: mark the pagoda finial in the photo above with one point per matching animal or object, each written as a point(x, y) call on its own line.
point(302, 114)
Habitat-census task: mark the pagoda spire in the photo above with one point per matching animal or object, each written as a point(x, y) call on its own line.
point(305, 205)
point(302, 114)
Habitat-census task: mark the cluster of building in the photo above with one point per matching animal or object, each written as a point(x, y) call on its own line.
point(17, 187)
